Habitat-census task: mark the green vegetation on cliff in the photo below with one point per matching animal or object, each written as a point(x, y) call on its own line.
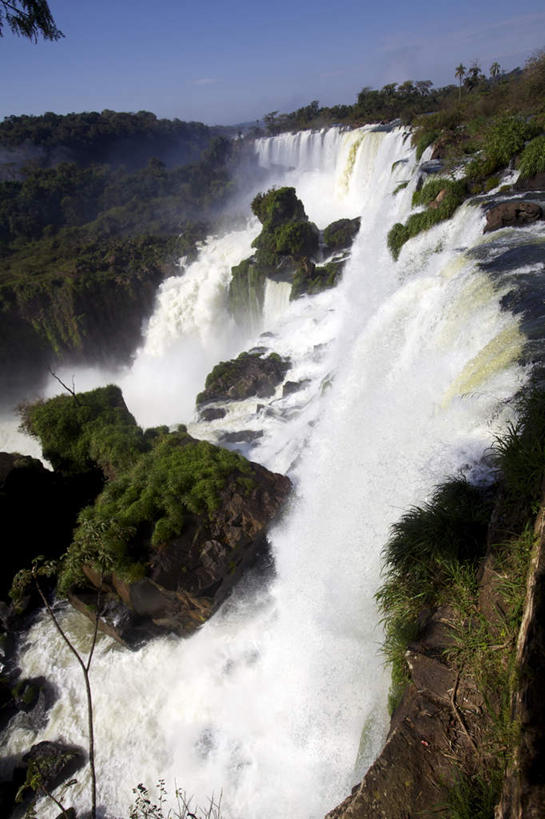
point(84, 246)
point(286, 240)
point(463, 560)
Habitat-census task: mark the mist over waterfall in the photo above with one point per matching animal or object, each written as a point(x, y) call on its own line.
point(405, 370)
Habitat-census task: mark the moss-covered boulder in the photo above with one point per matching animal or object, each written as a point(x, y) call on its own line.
point(340, 235)
point(278, 206)
point(286, 239)
point(512, 213)
point(175, 533)
point(249, 375)
point(80, 432)
point(311, 279)
point(173, 529)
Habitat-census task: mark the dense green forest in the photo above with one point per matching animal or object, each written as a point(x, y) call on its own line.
point(84, 243)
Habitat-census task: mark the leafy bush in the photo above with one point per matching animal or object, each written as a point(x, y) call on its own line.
point(397, 236)
point(451, 527)
point(423, 140)
point(278, 206)
point(532, 160)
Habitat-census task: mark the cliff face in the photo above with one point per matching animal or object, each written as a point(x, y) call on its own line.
point(82, 316)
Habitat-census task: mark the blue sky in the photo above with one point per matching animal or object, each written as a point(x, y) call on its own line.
point(228, 62)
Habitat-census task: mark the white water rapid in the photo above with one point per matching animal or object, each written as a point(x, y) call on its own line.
point(405, 371)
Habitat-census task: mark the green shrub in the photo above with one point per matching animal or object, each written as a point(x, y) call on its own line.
point(397, 236)
point(430, 548)
point(532, 160)
point(520, 453)
point(296, 239)
point(451, 527)
point(455, 193)
point(507, 137)
point(424, 140)
point(79, 432)
point(400, 187)
point(275, 207)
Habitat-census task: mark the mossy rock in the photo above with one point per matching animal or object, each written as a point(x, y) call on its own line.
point(83, 431)
point(244, 377)
point(278, 206)
point(247, 289)
point(340, 235)
point(174, 533)
point(311, 279)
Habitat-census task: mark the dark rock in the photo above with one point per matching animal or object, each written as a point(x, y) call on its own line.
point(53, 762)
point(514, 213)
point(432, 166)
point(243, 377)
point(244, 436)
point(213, 413)
point(340, 235)
point(190, 575)
point(294, 386)
point(26, 484)
point(531, 183)
point(311, 279)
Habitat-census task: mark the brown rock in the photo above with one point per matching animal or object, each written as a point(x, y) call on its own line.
point(515, 213)
point(532, 183)
point(190, 576)
point(438, 199)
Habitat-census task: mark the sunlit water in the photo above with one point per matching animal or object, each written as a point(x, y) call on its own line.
point(405, 372)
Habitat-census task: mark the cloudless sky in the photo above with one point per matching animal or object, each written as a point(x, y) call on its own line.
point(232, 61)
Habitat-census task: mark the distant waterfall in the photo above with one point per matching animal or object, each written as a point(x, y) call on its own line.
point(402, 376)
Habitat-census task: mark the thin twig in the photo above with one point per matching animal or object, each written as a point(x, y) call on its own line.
point(85, 671)
point(72, 390)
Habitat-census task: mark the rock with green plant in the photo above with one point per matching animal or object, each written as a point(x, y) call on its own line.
point(340, 235)
point(287, 249)
point(250, 374)
point(176, 525)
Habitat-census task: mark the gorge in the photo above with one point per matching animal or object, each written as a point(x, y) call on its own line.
point(402, 375)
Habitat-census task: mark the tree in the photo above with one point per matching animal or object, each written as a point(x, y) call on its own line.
point(29, 18)
point(495, 70)
point(460, 74)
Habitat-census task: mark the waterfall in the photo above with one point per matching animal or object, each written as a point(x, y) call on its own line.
point(404, 374)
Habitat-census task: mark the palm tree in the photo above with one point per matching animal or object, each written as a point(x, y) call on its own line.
point(460, 74)
point(495, 70)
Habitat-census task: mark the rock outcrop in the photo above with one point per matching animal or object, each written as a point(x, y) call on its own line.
point(429, 730)
point(178, 520)
point(340, 235)
point(513, 213)
point(249, 375)
point(288, 249)
point(189, 575)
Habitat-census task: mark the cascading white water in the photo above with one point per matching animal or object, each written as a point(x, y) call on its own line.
point(404, 370)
